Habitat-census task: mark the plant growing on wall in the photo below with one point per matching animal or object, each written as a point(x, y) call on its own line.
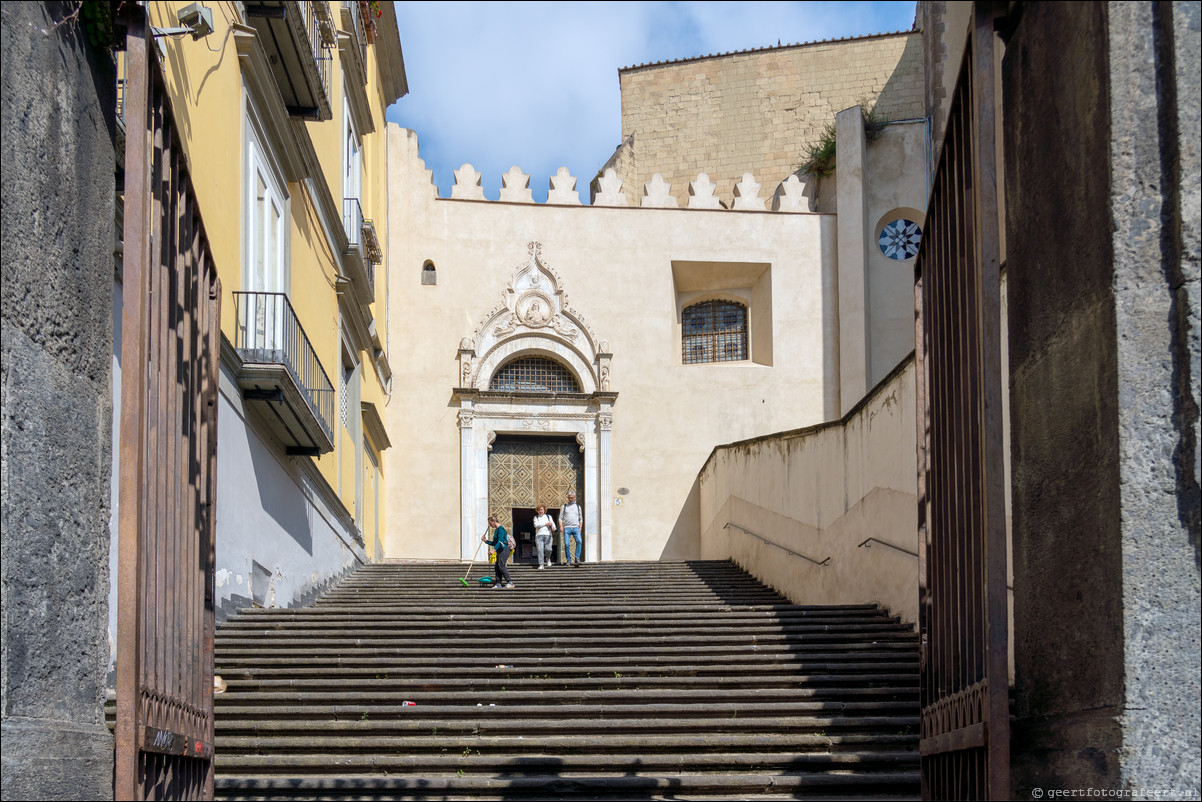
point(819, 158)
point(370, 11)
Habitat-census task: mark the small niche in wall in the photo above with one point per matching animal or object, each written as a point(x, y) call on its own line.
point(429, 273)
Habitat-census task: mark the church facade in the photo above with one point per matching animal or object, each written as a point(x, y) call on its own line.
point(608, 348)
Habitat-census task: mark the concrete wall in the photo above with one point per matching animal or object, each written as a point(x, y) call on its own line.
point(1103, 285)
point(622, 269)
point(820, 492)
point(756, 112)
point(58, 195)
point(281, 535)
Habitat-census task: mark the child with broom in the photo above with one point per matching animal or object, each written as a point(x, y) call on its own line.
point(499, 544)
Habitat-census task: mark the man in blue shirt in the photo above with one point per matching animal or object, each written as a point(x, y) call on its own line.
point(571, 519)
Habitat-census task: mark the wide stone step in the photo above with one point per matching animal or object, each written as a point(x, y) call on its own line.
point(631, 784)
point(686, 675)
point(563, 618)
point(635, 743)
point(243, 687)
point(597, 721)
point(385, 663)
point(475, 761)
point(527, 628)
point(600, 641)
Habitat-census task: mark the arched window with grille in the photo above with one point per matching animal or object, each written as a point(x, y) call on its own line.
point(714, 331)
point(534, 374)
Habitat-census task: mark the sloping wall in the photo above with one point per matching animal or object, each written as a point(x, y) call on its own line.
point(819, 493)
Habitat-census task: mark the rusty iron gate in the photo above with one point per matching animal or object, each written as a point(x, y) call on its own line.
point(169, 358)
point(965, 745)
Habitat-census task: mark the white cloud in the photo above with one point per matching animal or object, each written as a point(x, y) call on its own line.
point(535, 84)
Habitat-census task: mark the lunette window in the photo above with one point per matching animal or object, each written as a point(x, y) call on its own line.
point(534, 374)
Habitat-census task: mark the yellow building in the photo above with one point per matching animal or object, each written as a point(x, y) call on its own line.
point(281, 108)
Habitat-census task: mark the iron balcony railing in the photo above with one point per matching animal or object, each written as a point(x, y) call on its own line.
point(354, 10)
point(296, 36)
point(311, 26)
point(371, 242)
point(268, 332)
point(355, 225)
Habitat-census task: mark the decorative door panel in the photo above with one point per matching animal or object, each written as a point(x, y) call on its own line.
point(528, 471)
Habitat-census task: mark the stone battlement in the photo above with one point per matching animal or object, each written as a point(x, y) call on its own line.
point(794, 194)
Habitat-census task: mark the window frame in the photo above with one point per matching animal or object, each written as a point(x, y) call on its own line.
point(260, 163)
point(715, 334)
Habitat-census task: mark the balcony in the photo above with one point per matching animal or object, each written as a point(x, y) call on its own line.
point(356, 33)
point(280, 369)
point(355, 22)
point(362, 251)
point(295, 36)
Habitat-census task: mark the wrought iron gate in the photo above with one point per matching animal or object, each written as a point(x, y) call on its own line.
point(965, 746)
point(169, 358)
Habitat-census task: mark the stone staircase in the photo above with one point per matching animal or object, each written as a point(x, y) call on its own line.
point(607, 681)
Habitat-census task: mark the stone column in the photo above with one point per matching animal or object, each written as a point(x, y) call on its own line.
point(467, 480)
point(604, 549)
point(852, 286)
point(592, 497)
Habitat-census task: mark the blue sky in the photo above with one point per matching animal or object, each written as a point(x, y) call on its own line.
point(536, 84)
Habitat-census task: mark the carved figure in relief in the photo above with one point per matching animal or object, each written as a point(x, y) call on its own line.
point(604, 378)
point(508, 327)
point(535, 309)
point(563, 328)
point(535, 313)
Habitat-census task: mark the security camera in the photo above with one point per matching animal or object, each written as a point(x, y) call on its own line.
point(197, 18)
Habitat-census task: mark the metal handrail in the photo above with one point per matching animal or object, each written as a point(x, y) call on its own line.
point(890, 545)
point(268, 331)
point(779, 546)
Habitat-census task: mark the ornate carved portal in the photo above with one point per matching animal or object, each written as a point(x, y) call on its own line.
point(534, 318)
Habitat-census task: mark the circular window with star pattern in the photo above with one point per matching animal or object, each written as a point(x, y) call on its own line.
point(899, 239)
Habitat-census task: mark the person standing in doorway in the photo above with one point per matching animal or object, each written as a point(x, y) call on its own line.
point(499, 544)
point(544, 525)
point(571, 518)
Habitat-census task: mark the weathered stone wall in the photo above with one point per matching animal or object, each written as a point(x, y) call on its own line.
point(1102, 243)
point(58, 198)
point(1157, 433)
point(757, 111)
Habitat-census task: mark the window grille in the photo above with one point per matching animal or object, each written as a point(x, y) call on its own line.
point(534, 374)
point(344, 383)
point(714, 331)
